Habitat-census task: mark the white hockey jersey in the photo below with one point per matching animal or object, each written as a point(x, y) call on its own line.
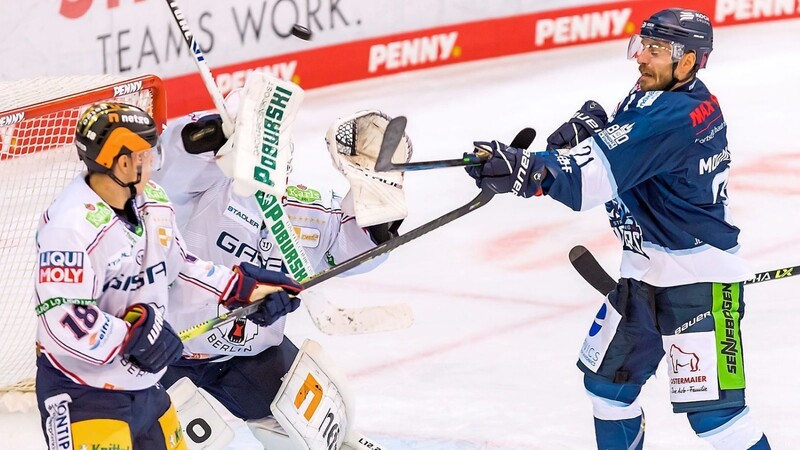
point(92, 266)
point(221, 226)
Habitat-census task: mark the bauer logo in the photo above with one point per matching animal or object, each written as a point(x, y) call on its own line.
point(61, 267)
point(127, 88)
point(414, 52)
point(573, 29)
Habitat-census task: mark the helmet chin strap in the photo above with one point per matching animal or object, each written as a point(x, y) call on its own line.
point(131, 185)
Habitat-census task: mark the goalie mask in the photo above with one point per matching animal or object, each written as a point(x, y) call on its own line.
point(354, 143)
point(106, 131)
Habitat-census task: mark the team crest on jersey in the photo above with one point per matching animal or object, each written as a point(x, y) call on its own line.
point(625, 227)
point(234, 338)
point(164, 236)
point(61, 267)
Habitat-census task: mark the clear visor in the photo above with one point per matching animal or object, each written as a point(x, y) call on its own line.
point(152, 157)
point(654, 47)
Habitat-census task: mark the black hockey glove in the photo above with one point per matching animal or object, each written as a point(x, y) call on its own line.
point(508, 170)
point(586, 122)
point(278, 303)
point(151, 343)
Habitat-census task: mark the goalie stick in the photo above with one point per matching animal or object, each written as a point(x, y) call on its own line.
point(587, 266)
point(522, 140)
point(395, 130)
point(326, 317)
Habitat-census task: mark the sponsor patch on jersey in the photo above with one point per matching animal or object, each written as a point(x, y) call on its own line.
point(648, 99)
point(303, 194)
point(58, 425)
point(692, 367)
point(615, 135)
point(99, 214)
point(98, 339)
point(599, 337)
point(155, 192)
point(241, 215)
point(309, 237)
point(60, 267)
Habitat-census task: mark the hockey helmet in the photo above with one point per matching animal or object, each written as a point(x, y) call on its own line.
point(108, 130)
point(684, 30)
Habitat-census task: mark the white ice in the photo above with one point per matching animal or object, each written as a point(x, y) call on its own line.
point(500, 314)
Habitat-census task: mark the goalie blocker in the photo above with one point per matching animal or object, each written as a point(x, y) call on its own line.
point(313, 410)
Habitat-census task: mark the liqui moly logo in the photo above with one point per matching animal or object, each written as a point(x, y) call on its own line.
point(582, 27)
point(413, 52)
point(60, 267)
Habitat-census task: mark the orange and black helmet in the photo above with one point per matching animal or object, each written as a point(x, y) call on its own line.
point(108, 130)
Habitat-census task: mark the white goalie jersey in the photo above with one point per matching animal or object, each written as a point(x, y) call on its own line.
point(92, 266)
point(222, 226)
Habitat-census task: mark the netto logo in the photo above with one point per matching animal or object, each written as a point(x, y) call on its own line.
point(128, 88)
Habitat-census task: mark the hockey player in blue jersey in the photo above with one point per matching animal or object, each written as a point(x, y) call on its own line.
point(660, 166)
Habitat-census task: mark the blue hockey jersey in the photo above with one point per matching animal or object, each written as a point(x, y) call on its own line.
point(661, 168)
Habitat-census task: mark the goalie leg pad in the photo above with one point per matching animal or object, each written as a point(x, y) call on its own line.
point(270, 433)
point(203, 427)
point(312, 404)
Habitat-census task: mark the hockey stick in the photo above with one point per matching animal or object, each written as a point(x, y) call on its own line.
point(395, 130)
point(328, 318)
point(522, 140)
point(587, 266)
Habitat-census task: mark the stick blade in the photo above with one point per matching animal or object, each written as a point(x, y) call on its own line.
point(336, 321)
point(391, 139)
point(587, 266)
point(524, 138)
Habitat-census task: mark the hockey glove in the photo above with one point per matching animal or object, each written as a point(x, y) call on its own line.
point(255, 283)
point(586, 122)
point(508, 170)
point(151, 343)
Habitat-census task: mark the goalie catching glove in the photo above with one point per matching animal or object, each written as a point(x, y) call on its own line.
point(255, 283)
point(354, 143)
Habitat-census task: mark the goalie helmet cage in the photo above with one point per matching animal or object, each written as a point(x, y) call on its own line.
point(38, 159)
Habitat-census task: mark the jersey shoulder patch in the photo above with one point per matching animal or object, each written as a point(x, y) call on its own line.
point(303, 194)
point(154, 192)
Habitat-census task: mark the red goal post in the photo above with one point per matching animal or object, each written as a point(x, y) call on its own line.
point(38, 159)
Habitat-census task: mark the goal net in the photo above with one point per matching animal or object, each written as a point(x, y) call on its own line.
point(37, 160)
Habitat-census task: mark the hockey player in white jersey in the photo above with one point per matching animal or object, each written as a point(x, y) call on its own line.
point(108, 249)
point(242, 364)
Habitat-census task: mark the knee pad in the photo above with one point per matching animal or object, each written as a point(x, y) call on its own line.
point(738, 432)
